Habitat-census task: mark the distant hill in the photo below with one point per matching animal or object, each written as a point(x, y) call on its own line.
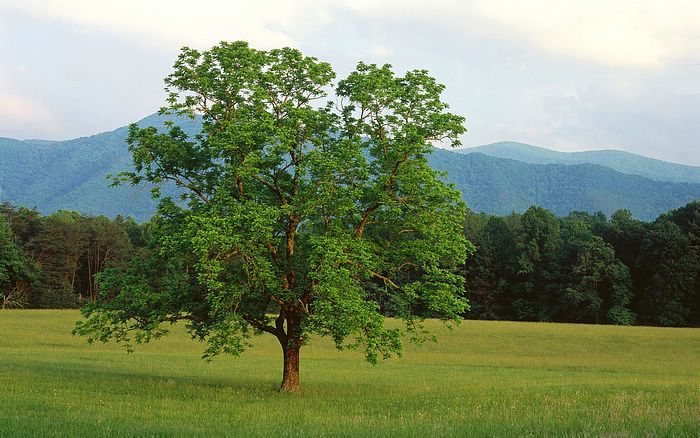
point(624, 162)
point(71, 175)
point(500, 186)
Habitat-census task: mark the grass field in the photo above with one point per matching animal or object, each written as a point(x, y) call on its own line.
point(483, 379)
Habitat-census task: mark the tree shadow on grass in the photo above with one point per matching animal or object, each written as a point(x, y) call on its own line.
point(73, 371)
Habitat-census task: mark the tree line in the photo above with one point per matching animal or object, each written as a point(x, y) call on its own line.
point(51, 261)
point(534, 266)
point(586, 268)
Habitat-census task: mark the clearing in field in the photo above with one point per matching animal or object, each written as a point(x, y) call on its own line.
point(484, 378)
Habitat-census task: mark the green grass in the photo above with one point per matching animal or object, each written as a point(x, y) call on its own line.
point(483, 379)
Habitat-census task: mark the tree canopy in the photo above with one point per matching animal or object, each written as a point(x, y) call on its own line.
point(16, 270)
point(298, 216)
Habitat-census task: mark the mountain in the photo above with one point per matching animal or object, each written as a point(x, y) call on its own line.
point(624, 162)
point(500, 186)
point(71, 174)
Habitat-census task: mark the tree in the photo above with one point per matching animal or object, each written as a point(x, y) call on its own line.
point(599, 286)
point(58, 250)
point(108, 245)
point(24, 222)
point(489, 271)
point(670, 275)
point(625, 234)
point(478, 270)
point(295, 214)
point(538, 242)
point(16, 270)
point(688, 219)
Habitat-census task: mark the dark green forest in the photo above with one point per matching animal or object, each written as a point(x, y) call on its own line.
point(534, 266)
point(51, 261)
point(586, 268)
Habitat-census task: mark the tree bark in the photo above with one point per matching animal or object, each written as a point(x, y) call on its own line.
point(291, 344)
point(290, 375)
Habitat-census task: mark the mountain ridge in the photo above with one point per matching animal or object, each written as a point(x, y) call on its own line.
point(621, 161)
point(70, 174)
point(501, 185)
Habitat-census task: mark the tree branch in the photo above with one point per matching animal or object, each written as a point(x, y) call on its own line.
point(359, 231)
point(262, 327)
point(275, 189)
point(385, 279)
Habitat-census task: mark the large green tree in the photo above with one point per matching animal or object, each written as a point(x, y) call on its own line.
point(296, 215)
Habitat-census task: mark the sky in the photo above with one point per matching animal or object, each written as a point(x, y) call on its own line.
point(565, 75)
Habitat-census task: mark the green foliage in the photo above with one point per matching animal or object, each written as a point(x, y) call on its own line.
point(670, 275)
point(293, 207)
point(688, 219)
point(490, 271)
point(586, 268)
point(16, 270)
point(599, 289)
point(537, 243)
point(538, 267)
point(588, 280)
point(63, 252)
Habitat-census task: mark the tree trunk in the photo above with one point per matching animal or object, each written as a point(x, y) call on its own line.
point(291, 344)
point(290, 375)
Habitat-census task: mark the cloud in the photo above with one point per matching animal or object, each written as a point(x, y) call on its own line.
point(18, 109)
point(566, 74)
point(628, 33)
point(20, 115)
point(178, 22)
point(632, 33)
point(15, 108)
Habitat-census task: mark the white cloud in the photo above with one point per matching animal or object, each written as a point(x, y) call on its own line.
point(178, 22)
point(633, 33)
point(629, 33)
point(16, 108)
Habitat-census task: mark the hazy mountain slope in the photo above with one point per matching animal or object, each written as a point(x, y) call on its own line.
point(19, 162)
point(71, 175)
point(620, 161)
point(499, 186)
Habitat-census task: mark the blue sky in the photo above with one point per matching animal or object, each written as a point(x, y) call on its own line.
point(559, 74)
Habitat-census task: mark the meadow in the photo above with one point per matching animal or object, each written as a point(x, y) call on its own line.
point(482, 379)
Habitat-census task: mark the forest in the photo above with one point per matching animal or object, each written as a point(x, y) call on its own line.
point(50, 262)
point(534, 266)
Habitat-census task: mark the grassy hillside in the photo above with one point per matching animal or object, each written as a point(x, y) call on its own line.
point(620, 161)
point(483, 379)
